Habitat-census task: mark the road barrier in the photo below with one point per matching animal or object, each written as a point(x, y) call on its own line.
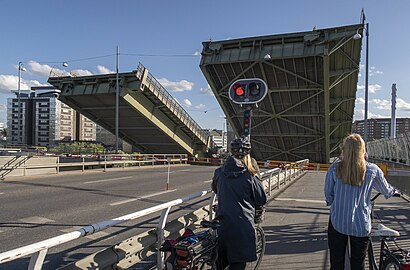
point(136, 248)
point(38, 165)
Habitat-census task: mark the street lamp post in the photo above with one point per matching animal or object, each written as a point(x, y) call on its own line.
point(366, 87)
point(365, 28)
point(20, 69)
point(117, 94)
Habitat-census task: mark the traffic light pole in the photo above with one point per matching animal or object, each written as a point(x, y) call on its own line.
point(247, 123)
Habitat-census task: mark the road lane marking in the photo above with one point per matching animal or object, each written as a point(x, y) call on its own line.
point(208, 181)
point(1, 193)
point(38, 220)
point(142, 197)
point(179, 171)
point(106, 180)
point(300, 200)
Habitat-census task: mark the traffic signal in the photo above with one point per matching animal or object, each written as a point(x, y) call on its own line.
point(248, 91)
point(247, 122)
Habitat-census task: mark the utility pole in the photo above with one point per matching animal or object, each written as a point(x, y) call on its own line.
point(393, 111)
point(117, 101)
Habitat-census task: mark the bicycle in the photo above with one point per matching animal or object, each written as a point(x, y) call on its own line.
point(200, 251)
point(390, 258)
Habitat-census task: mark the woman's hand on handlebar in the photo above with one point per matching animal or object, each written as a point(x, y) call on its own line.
point(397, 193)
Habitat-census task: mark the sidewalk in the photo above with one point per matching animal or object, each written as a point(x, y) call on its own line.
point(296, 225)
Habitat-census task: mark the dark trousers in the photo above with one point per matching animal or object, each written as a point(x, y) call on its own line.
point(225, 263)
point(337, 244)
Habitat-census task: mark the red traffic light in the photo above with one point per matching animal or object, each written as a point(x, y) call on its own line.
point(247, 91)
point(238, 90)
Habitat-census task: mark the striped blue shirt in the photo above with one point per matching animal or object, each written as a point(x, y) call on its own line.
point(350, 206)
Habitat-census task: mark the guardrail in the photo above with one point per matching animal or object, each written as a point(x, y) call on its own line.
point(54, 163)
point(273, 180)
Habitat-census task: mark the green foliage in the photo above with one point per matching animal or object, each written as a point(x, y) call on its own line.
point(78, 148)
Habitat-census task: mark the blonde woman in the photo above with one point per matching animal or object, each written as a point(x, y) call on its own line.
point(240, 192)
point(348, 187)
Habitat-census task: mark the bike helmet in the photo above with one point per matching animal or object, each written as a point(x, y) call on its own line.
point(240, 148)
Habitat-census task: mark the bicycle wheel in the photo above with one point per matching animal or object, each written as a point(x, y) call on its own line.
point(260, 248)
point(391, 263)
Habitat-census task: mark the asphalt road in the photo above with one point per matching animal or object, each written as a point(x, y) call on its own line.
point(37, 208)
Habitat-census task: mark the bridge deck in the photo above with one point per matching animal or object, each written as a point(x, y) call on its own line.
point(296, 225)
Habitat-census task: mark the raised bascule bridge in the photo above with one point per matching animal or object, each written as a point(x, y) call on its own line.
point(150, 119)
point(312, 79)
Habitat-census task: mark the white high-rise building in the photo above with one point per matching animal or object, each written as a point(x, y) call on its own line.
point(44, 120)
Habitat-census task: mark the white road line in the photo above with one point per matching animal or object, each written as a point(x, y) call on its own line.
point(300, 200)
point(1, 193)
point(208, 181)
point(106, 180)
point(142, 197)
point(179, 171)
point(38, 220)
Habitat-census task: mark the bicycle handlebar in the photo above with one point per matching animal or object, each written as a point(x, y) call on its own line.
point(375, 197)
point(397, 193)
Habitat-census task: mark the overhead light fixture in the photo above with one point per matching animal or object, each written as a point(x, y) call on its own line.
point(65, 64)
point(357, 35)
point(267, 56)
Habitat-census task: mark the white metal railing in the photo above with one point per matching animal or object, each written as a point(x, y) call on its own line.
point(39, 250)
point(272, 179)
point(394, 150)
point(162, 94)
point(104, 161)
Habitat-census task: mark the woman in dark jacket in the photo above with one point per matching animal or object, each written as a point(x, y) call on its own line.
point(239, 191)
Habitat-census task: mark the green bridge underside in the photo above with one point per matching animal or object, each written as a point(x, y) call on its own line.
point(149, 118)
point(312, 80)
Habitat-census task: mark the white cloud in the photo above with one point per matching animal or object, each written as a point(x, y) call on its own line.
point(373, 88)
point(381, 104)
point(187, 102)
point(39, 69)
point(104, 70)
point(80, 72)
point(197, 53)
point(180, 86)
point(45, 70)
point(9, 82)
point(200, 106)
point(403, 105)
point(206, 90)
point(3, 107)
point(373, 115)
point(360, 100)
point(359, 115)
point(372, 71)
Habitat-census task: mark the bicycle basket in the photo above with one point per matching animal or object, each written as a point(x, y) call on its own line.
point(189, 250)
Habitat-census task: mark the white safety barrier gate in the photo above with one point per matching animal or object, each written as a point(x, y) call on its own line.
point(272, 179)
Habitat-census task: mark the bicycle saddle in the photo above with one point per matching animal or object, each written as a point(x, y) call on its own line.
point(384, 231)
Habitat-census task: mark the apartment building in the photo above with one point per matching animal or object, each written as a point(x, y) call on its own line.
point(218, 136)
point(379, 128)
point(42, 119)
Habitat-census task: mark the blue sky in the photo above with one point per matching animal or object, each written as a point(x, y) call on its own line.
point(45, 33)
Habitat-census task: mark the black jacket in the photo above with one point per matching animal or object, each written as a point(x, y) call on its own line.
point(238, 194)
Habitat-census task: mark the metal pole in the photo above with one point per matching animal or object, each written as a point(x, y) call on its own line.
point(366, 90)
point(169, 167)
point(116, 101)
point(18, 104)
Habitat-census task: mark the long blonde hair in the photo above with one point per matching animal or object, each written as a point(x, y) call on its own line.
point(251, 165)
point(352, 167)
